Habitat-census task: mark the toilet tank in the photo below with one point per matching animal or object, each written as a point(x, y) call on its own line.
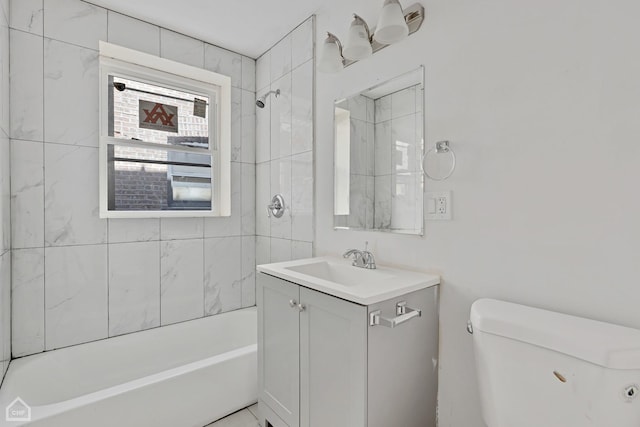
point(538, 368)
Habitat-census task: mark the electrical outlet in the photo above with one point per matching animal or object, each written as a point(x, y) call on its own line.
point(439, 205)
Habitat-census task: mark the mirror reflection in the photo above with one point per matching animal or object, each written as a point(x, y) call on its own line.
point(378, 149)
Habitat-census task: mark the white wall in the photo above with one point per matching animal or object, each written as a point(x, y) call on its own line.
point(5, 180)
point(77, 277)
point(541, 103)
point(284, 144)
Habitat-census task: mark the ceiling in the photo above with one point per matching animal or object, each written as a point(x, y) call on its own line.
point(249, 27)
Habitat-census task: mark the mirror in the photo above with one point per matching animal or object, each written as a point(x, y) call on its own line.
point(379, 142)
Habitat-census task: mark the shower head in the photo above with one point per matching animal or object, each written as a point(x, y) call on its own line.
point(260, 102)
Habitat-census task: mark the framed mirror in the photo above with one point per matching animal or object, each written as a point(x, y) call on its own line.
point(379, 143)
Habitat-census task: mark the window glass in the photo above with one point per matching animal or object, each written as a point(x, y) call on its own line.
point(151, 113)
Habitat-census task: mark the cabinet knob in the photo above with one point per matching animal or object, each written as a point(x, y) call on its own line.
point(302, 307)
point(292, 303)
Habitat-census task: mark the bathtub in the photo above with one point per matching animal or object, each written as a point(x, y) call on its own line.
point(184, 375)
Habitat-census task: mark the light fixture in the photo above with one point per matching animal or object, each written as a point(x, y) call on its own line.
point(359, 41)
point(331, 60)
point(392, 26)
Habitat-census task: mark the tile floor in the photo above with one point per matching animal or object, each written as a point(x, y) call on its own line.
point(245, 418)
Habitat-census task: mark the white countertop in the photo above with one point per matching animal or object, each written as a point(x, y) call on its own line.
point(337, 277)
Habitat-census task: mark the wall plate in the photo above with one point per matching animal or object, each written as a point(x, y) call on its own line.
point(438, 205)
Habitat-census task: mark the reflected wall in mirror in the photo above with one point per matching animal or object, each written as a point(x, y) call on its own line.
point(379, 141)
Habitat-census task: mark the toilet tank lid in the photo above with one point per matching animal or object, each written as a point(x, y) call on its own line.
point(605, 344)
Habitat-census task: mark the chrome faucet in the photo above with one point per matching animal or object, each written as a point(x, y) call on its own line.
point(362, 259)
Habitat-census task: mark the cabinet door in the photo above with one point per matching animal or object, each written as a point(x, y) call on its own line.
point(278, 347)
point(333, 362)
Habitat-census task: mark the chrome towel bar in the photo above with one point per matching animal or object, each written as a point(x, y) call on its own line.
point(403, 314)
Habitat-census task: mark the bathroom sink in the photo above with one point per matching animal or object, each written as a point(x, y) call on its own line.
point(337, 277)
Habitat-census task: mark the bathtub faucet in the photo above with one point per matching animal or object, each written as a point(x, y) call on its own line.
point(362, 259)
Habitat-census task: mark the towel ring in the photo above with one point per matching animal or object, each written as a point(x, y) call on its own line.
point(442, 147)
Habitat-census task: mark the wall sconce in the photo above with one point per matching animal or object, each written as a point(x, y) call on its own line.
point(394, 25)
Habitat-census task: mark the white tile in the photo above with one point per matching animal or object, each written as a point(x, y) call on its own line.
point(223, 274)
point(382, 211)
point(248, 74)
point(404, 149)
point(75, 22)
point(27, 299)
point(5, 308)
point(383, 148)
point(263, 130)
point(181, 280)
point(358, 107)
point(75, 295)
point(5, 123)
point(181, 228)
point(248, 127)
point(242, 418)
point(301, 250)
point(263, 71)
point(263, 250)
point(302, 197)
point(5, 194)
point(359, 146)
point(281, 58)
point(406, 201)
point(403, 102)
point(263, 198)
point(27, 15)
point(27, 194)
point(281, 118)
point(134, 287)
point(281, 184)
point(302, 43)
point(280, 250)
point(248, 271)
point(134, 34)
point(181, 48)
point(70, 94)
point(122, 230)
point(236, 124)
point(27, 88)
point(224, 62)
point(383, 109)
point(302, 109)
point(71, 196)
point(248, 199)
point(228, 225)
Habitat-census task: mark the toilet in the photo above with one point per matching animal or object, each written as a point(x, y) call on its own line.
point(538, 368)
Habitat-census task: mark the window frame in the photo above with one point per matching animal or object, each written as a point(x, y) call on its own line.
point(143, 67)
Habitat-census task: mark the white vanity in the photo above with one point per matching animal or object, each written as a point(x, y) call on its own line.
point(341, 346)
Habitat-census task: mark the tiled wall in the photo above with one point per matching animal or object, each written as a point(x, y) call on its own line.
point(5, 179)
point(361, 163)
point(77, 277)
point(398, 153)
point(284, 147)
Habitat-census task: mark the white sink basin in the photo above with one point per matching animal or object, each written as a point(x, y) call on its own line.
point(337, 277)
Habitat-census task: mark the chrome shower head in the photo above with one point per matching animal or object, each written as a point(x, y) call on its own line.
point(260, 103)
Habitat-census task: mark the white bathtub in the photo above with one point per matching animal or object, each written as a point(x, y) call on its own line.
point(183, 375)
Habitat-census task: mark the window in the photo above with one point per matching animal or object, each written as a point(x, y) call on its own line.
point(164, 137)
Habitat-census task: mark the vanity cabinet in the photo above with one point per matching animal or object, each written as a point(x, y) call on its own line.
point(322, 364)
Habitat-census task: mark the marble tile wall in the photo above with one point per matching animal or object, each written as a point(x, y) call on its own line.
point(5, 180)
point(284, 147)
point(77, 277)
point(398, 148)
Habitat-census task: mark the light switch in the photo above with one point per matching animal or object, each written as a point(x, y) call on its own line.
point(431, 206)
point(438, 205)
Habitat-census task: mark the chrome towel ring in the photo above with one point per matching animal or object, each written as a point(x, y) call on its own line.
point(441, 147)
